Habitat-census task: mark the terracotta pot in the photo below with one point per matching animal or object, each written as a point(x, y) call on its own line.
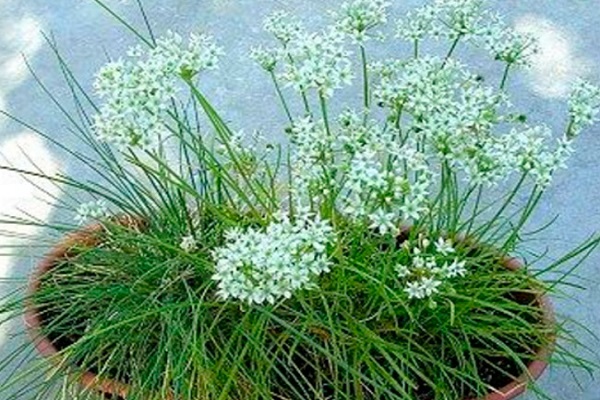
point(536, 368)
point(85, 237)
point(88, 237)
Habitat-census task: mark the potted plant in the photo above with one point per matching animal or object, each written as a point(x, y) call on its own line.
point(374, 255)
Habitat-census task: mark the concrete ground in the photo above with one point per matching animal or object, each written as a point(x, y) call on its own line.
point(569, 31)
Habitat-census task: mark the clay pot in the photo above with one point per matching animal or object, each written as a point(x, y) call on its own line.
point(536, 368)
point(88, 237)
point(85, 237)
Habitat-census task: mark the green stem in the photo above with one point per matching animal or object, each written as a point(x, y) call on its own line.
point(122, 21)
point(452, 49)
point(147, 22)
point(505, 76)
point(475, 210)
point(323, 103)
point(366, 93)
point(533, 201)
point(569, 133)
point(416, 48)
point(483, 230)
point(302, 91)
point(305, 102)
point(281, 97)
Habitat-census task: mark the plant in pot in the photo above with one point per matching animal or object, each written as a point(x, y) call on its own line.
point(372, 255)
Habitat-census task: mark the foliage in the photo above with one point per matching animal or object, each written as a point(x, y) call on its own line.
point(366, 259)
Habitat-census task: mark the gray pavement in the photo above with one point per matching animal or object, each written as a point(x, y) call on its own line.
point(569, 31)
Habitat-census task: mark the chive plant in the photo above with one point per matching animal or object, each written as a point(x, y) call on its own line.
point(364, 259)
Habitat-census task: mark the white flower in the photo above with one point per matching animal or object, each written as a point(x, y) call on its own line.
point(444, 246)
point(255, 266)
point(188, 243)
point(311, 158)
point(422, 288)
point(584, 107)
point(358, 17)
point(457, 268)
point(174, 56)
point(383, 222)
point(414, 290)
point(418, 261)
point(419, 86)
point(138, 91)
point(403, 271)
point(94, 210)
point(318, 61)
point(429, 286)
point(413, 209)
point(429, 266)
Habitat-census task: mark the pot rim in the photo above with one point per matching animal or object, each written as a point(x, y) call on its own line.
point(89, 380)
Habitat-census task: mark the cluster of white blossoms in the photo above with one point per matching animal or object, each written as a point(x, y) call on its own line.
point(312, 159)
point(318, 61)
point(283, 27)
point(469, 21)
point(358, 17)
point(584, 107)
point(387, 187)
point(384, 181)
point(419, 86)
point(450, 19)
point(310, 60)
point(458, 119)
point(378, 180)
point(505, 43)
point(265, 57)
point(258, 265)
point(419, 23)
point(460, 18)
point(138, 91)
point(92, 210)
point(431, 264)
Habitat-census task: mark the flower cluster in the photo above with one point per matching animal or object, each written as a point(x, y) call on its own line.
point(452, 19)
point(318, 61)
point(310, 60)
point(460, 18)
point(456, 117)
point(387, 190)
point(379, 180)
point(266, 58)
point(257, 265)
point(312, 159)
point(420, 86)
point(584, 107)
point(420, 23)
point(506, 44)
point(430, 265)
point(358, 17)
point(467, 20)
point(92, 210)
point(137, 91)
point(283, 27)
